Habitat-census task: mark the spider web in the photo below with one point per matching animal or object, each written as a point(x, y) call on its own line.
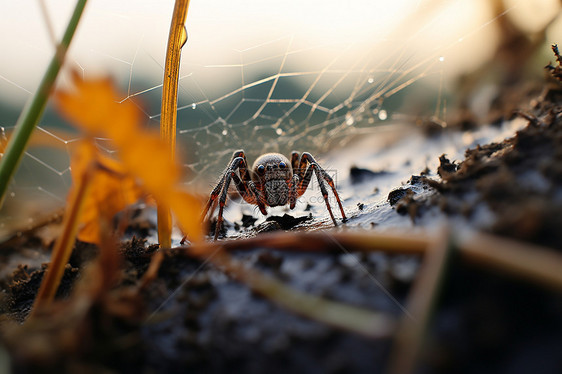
point(253, 77)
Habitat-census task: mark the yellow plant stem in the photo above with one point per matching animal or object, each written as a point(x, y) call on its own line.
point(164, 226)
point(176, 40)
point(64, 243)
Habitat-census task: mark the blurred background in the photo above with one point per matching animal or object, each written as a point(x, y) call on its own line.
point(265, 77)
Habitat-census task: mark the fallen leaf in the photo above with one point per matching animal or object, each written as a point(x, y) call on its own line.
point(111, 189)
point(142, 155)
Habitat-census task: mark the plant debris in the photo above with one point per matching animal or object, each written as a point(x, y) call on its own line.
point(518, 180)
point(556, 71)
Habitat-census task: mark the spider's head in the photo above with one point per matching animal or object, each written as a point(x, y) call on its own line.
point(273, 172)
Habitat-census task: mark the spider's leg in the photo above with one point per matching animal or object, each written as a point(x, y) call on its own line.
point(243, 187)
point(260, 199)
point(295, 181)
point(239, 162)
point(246, 179)
point(314, 168)
point(234, 165)
point(247, 188)
point(303, 165)
point(295, 158)
point(213, 207)
point(323, 189)
point(304, 181)
point(249, 193)
point(243, 168)
point(293, 193)
point(323, 176)
point(222, 202)
point(211, 202)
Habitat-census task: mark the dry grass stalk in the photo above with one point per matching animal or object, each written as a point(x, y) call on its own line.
point(423, 297)
point(64, 244)
point(535, 263)
point(176, 40)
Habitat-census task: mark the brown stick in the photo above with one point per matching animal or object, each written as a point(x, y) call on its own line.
point(535, 263)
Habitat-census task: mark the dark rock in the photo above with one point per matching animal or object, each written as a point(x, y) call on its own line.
point(287, 222)
point(395, 195)
point(358, 175)
point(248, 220)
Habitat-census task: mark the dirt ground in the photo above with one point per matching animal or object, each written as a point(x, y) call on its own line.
point(194, 318)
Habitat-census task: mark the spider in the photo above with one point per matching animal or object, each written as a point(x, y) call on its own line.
point(272, 181)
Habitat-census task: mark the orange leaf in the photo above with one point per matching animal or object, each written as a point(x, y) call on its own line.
point(147, 157)
point(111, 189)
point(94, 108)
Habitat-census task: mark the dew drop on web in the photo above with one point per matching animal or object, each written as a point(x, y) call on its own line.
point(349, 120)
point(193, 106)
point(383, 115)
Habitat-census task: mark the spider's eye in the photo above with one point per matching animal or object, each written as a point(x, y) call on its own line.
point(282, 165)
point(261, 169)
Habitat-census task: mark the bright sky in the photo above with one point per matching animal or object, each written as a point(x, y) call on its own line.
point(128, 37)
point(291, 69)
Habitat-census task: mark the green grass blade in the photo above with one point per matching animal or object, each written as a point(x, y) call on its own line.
point(34, 108)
